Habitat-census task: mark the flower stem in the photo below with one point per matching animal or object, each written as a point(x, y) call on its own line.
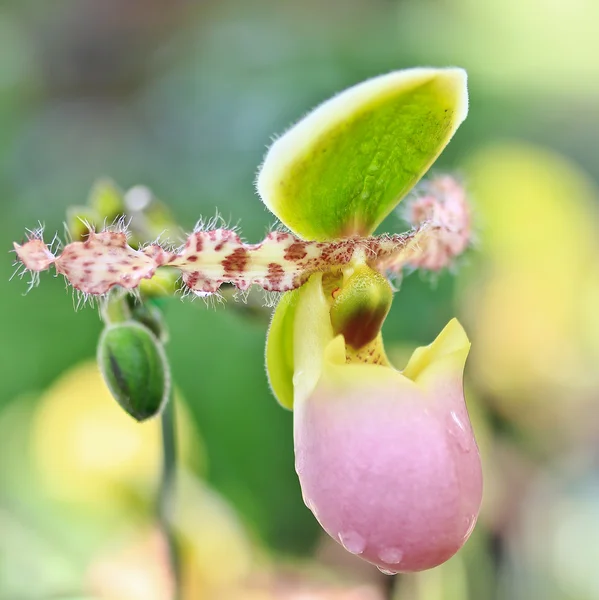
point(168, 488)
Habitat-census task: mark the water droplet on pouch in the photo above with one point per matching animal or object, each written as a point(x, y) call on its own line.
point(386, 571)
point(391, 556)
point(458, 430)
point(353, 542)
point(471, 523)
point(299, 463)
point(297, 377)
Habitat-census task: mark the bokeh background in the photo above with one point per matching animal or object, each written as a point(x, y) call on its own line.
point(184, 97)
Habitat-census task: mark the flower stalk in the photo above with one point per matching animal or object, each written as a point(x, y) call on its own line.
point(167, 490)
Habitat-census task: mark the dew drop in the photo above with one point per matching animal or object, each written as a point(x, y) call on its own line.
point(297, 377)
point(470, 522)
point(386, 571)
point(391, 556)
point(353, 542)
point(458, 430)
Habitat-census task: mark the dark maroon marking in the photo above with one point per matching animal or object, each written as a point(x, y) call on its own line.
point(199, 243)
point(220, 245)
point(235, 262)
point(173, 258)
point(296, 251)
point(192, 258)
point(135, 267)
point(326, 253)
point(88, 263)
point(192, 279)
point(275, 274)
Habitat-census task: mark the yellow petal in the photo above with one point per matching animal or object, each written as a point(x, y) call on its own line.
point(448, 351)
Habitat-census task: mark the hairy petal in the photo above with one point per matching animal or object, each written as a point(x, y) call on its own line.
point(440, 216)
point(208, 259)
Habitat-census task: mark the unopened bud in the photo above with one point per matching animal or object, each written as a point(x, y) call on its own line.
point(149, 314)
point(79, 221)
point(106, 199)
point(360, 306)
point(135, 369)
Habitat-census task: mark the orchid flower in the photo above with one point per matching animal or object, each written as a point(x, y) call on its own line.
point(386, 459)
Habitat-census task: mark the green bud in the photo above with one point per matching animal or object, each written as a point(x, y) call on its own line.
point(116, 308)
point(164, 283)
point(78, 219)
point(135, 369)
point(360, 306)
point(107, 200)
point(148, 314)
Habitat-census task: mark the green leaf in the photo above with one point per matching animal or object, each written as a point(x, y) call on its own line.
point(279, 349)
point(135, 369)
point(345, 166)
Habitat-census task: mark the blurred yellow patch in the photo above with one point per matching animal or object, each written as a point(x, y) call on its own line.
point(87, 449)
point(528, 298)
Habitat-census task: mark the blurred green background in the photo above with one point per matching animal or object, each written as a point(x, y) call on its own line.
point(185, 97)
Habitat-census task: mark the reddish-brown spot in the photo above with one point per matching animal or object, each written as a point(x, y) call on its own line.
point(235, 262)
point(275, 275)
point(199, 243)
point(192, 279)
point(296, 251)
point(192, 258)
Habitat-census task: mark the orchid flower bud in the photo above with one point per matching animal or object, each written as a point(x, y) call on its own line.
point(135, 369)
